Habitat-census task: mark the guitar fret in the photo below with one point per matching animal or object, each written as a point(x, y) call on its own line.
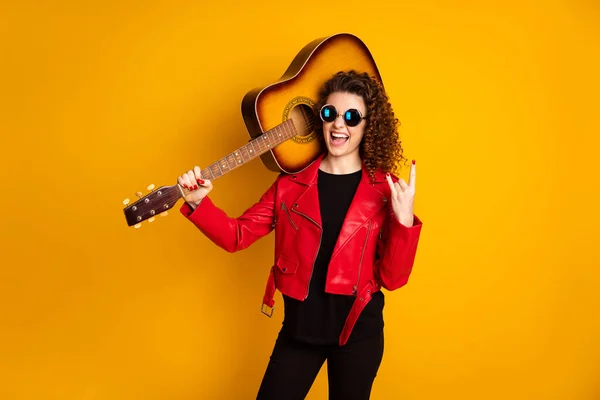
point(228, 164)
point(244, 153)
point(268, 139)
point(262, 143)
point(281, 136)
point(256, 143)
point(230, 157)
point(236, 158)
point(222, 165)
point(205, 172)
point(272, 140)
point(286, 130)
point(215, 170)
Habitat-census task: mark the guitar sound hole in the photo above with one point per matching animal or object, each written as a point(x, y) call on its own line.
point(304, 119)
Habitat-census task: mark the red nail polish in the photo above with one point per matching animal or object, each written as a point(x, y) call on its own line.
point(414, 162)
point(185, 186)
point(200, 181)
point(387, 174)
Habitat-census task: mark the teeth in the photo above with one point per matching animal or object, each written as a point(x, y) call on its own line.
point(339, 135)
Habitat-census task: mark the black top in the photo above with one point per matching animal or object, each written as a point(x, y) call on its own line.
point(320, 318)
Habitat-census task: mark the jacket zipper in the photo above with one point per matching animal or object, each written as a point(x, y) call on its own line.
point(362, 255)
point(284, 208)
point(317, 252)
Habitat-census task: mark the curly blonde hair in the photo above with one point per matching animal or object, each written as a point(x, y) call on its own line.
point(381, 147)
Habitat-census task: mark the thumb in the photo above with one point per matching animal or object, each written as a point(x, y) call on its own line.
point(205, 183)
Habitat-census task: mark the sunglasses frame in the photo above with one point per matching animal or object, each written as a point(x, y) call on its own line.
point(344, 114)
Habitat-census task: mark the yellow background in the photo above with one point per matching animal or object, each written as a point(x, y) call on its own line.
point(499, 105)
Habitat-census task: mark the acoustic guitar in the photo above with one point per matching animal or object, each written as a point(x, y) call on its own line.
point(279, 118)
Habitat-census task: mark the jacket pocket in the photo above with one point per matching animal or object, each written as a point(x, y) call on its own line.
point(286, 266)
point(289, 216)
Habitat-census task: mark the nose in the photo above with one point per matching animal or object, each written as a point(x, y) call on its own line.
point(339, 121)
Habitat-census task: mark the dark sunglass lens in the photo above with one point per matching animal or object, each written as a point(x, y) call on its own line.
point(328, 113)
point(352, 117)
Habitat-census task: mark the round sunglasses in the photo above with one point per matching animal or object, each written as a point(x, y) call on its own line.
point(352, 117)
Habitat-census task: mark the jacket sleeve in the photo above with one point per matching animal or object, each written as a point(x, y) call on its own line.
point(397, 249)
point(233, 234)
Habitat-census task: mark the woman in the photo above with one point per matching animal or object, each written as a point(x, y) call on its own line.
point(344, 228)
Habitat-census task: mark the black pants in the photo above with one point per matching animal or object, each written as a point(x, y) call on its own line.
point(294, 365)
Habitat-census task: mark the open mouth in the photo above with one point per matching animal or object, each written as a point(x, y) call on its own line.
point(338, 138)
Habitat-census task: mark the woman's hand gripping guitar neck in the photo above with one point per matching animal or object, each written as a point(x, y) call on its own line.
point(198, 187)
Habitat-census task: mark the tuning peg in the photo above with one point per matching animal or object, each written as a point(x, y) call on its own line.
point(151, 219)
point(150, 187)
point(137, 226)
point(139, 194)
point(164, 214)
point(126, 201)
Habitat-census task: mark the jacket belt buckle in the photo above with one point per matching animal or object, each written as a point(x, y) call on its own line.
point(268, 311)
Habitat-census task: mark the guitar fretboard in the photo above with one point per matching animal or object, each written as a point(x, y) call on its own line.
point(251, 150)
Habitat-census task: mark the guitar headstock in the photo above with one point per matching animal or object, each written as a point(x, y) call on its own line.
point(157, 202)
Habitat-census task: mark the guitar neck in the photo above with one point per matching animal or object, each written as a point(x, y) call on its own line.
point(251, 150)
point(165, 197)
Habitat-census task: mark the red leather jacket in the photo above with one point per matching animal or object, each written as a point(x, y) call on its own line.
point(373, 249)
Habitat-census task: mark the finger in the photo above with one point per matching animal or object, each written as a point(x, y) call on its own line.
point(198, 176)
point(184, 181)
point(412, 179)
point(192, 178)
point(205, 183)
point(388, 178)
point(402, 183)
point(197, 173)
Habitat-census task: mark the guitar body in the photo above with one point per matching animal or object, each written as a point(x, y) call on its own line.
point(295, 93)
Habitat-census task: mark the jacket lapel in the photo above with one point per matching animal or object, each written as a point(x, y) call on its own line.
point(369, 198)
point(307, 203)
